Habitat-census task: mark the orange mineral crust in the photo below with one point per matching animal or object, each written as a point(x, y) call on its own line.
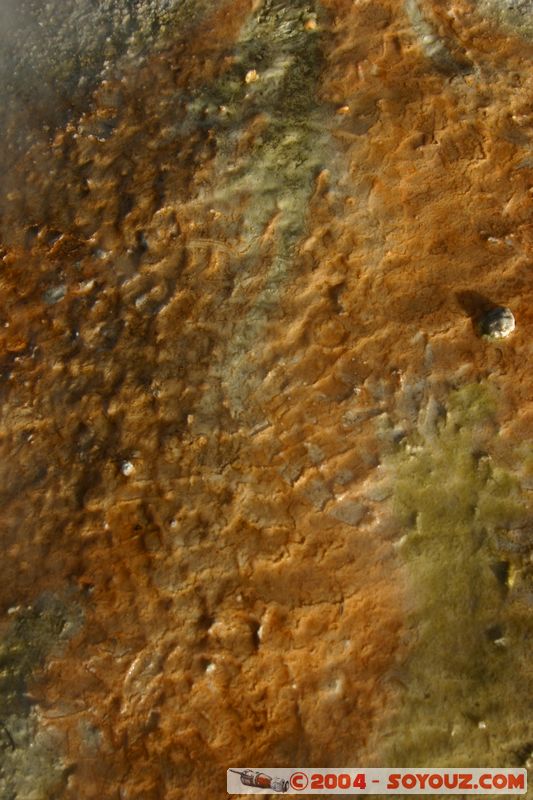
point(265, 482)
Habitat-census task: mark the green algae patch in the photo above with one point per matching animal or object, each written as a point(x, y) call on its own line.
point(29, 761)
point(466, 686)
point(270, 129)
point(278, 172)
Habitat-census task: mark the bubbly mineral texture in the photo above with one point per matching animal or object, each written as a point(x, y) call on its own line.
point(265, 490)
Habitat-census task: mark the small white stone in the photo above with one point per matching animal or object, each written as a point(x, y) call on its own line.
point(497, 323)
point(503, 642)
point(127, 468)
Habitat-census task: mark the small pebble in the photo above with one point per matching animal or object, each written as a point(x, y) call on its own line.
point(126, 468)
point(497, 323)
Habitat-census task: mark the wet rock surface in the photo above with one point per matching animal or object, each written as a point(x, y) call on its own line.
point(265, 491)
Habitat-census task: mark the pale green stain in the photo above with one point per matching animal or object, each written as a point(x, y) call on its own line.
point(465, 687)
point(28, 766)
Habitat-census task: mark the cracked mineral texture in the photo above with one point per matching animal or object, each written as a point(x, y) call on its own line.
point(265, 491)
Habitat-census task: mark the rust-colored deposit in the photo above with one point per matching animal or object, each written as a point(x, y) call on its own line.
point(229, 291)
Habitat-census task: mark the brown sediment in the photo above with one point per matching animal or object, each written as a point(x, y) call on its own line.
point(196, 437)
point(431, 139)
point(230, 615)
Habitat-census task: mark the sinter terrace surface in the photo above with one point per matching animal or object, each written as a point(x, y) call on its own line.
point(265, 327)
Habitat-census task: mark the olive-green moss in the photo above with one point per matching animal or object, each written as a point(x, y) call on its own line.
point(272, 177)
point(467, 684)
point(29, 764)
point(287, 156)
